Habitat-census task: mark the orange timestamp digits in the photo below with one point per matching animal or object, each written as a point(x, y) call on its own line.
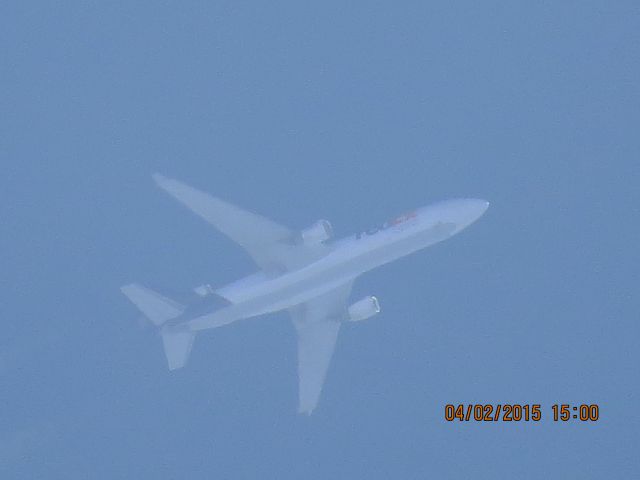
point(516, 412)
point(493, 413)
point(584, 412)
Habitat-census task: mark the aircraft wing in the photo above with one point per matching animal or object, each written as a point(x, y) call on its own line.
point(268, 243)
point(317, 324)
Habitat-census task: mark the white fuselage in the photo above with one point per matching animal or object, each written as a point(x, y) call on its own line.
point(347, 258)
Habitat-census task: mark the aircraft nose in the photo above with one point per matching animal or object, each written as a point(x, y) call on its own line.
point(475, 208)
point(462, 212)
point(478, 206)
point(468, 210)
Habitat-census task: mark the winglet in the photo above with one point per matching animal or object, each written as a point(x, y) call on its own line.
point(159, 178)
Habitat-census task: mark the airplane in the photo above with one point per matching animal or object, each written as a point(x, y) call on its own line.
point(305, 272)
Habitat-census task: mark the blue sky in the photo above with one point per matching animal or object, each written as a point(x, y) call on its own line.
point(352, 113)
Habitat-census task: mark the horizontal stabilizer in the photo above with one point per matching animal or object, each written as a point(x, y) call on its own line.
point(177, 346)
point(156, 308)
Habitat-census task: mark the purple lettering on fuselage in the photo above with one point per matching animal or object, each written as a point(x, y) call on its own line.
point(390, 223)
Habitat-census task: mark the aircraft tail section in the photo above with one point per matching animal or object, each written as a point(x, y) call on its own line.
point(158, 309)
point(177, 346)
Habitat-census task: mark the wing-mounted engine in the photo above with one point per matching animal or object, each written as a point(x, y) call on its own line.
point(363, 309)
point(318, 233)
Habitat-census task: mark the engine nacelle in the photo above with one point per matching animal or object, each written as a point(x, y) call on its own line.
point(319, 232)
point(363, 309)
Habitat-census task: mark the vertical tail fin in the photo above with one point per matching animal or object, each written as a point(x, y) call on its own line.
point(158, 309)
point(177, 346)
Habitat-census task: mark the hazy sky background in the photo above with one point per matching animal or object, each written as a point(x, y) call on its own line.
point(302, 111)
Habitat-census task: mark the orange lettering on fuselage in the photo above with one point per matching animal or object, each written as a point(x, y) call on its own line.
point(391, 223)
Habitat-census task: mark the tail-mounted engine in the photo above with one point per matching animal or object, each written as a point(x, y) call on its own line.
point(363, 309)
point(319, 232)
